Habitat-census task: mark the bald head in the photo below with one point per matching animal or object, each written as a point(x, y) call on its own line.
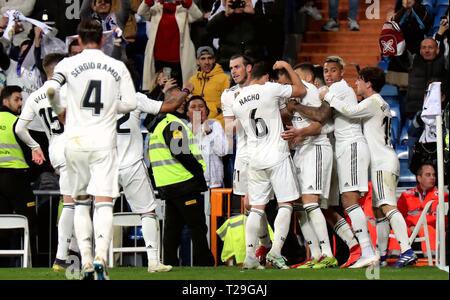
point(429, 49)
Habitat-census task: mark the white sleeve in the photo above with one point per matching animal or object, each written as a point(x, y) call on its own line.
point(28, 113)
point(23, 133)
point(127, 100)
point(147, 105)
point(353, 111)
point(227, 103)
point(283, 90)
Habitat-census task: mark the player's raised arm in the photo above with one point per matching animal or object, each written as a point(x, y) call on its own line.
point(174, 97)
point(298, 89)
point(52, 88)
point(128, 100)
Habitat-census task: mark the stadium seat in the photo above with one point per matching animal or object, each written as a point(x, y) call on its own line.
point(422, 223)
point(407, 178)
point(13, 221)
point(124, 220)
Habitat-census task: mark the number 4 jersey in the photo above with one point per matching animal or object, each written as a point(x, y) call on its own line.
point(257, 108)
point(94, 82)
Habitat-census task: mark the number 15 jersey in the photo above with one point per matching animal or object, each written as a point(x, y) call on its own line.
point(94, 83)
point(257, 108)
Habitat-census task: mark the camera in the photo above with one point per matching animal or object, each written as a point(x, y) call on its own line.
point(237, 4)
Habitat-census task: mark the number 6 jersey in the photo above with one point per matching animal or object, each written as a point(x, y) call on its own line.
point(257, 109)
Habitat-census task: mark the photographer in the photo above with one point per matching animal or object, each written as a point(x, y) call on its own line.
point(240, 31)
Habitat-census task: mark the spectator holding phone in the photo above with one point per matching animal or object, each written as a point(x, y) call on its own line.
point(169, 41)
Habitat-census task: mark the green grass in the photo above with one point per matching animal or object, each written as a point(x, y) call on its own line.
point(235, 273)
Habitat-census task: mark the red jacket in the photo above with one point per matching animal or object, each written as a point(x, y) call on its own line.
point(412, 202)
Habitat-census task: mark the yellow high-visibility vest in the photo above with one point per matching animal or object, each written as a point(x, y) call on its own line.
point(11, 155)
point(166, 169)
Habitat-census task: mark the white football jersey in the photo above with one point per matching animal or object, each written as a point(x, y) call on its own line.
point(298, 121)
point(228, 98)
point(38, 108)
point(346, 130)
point(95, 83)
point(130, 144)
point(376, 119)
point(257, 108)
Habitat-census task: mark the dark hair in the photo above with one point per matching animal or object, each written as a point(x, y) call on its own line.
point(318, 73)
point(9, 90)
point(90, 31)
point(73, 43)
point(306, 67)
point(283, 72)
point(52, 58)
point(375, 76)
point(260, 69)
point(420, 169)
point(196, 97)
point(247, 60)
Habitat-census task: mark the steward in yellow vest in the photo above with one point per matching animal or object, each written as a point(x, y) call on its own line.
point(16, 195)
point(178, 168)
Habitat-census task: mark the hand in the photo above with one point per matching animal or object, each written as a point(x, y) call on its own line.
point(228, 9)
point(3, 22)
point(170, 84)
point(443, 26)
point(323, 91)
point(37, 36)
point(62, 117)
point(280, 64)
point(37, 156)
point(294, 135)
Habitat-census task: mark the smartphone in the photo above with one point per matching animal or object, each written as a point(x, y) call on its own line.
point(167, 71)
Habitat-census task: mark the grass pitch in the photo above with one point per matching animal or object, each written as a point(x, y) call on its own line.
point(236, 273)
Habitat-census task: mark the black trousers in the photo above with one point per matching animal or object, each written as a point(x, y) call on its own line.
point(17, 197)
point(187, 210)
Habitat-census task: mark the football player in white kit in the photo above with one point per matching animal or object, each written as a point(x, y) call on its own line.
point(334, 219)
point(352, 154)
point(133, 175)
point(38, 107)
point(313, 160)
point(270, 166)
point(98, 87)
point(384, 164)
point(240, 68)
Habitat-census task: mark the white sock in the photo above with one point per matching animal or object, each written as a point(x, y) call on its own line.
point(309, 235)
point(73, 246)
point(359, 224)
point(263, 233)
point(103, 220)
point(344, 231)
point(251, 232)
point(281, 224)
point(319, 225)
point(83, 229)
point(65, 228)
point(398, 225)
point(383, 230)
point(150, 231)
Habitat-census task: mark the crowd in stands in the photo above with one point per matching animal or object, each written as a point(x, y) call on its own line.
point(193, 41)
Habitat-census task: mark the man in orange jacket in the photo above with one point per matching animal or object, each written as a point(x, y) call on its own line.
point(413, 201)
